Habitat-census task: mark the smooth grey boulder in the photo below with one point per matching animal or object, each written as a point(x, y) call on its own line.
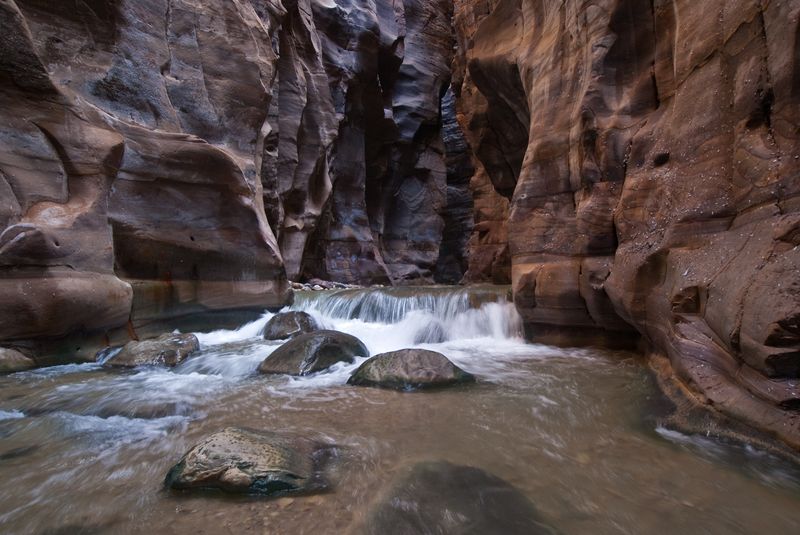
point(250, 462)
point(166, 350)
point(313, 352)
point(440, 497)
point(409, 369)
point(12, 361)
point(288, 325)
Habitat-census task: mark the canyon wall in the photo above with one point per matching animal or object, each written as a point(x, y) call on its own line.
point(162, 160)
point(650, 156)
point(632, 168)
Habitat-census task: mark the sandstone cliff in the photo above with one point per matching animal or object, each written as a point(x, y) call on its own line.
point(161, 159)
point(631, 167)
point(650, 155)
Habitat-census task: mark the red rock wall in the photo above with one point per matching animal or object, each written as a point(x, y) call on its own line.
point(165, 158)
point(652, 153)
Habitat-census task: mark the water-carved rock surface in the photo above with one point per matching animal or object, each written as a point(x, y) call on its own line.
point(409, 369)
point(313, 352)
point(166, 159)
point(649, 152)
point(288, 325)
point(244, 461)
point(630, 167)
point(166, 350)
point(439, 497)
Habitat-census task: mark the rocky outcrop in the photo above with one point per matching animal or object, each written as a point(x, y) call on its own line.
point(440, 497)
point(166, 350)
point(243, 461)
point(288, 325)
point(12, 361)
point(409, 369)
point(649, 153)
point(313, 352)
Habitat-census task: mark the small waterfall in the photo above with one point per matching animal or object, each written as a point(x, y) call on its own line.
point(474, 325)
point(423, 315)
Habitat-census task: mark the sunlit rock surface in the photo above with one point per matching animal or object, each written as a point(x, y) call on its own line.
point(649, 155)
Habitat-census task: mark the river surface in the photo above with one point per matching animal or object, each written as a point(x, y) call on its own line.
point(85, 450)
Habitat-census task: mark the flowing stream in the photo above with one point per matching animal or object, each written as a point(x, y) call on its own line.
point(85, 450)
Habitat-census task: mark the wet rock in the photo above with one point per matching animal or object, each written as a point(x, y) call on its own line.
point(439, 497)
point(12, 361)
point(166, 350)
point(250, 462)
point(288, 325)
point(409, 369)
point(313, 352)
point(596, 255)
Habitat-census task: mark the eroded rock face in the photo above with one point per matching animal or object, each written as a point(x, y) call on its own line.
point(166, 159)
point(132, 135)
point(440, 497)
point(288, 325)
point(409, 369)
point(313, 352)
point(244, 461)
point(649, 152)
point(166, 350)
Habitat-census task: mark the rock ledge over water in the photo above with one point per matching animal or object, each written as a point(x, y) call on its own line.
point(12, 361)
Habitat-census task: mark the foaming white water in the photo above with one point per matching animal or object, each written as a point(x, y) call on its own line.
point(227, 336)
point(11, 415)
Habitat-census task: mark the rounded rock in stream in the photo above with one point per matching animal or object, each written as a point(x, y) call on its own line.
point(313, 352)
point(439, 497)
point(250, 462)
point(289, 325)
point(12, 361)
point(166, 350)
point(409, 369)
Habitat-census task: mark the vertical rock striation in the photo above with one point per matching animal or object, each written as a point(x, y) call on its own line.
point(650, 155)
point(165, 159)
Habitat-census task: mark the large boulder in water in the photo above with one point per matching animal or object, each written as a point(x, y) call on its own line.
point(166, 350)
point(12, 361)
point(288, 325)
point(250, 462)
point(439, 497)
point(409, 369)
point(313, 352)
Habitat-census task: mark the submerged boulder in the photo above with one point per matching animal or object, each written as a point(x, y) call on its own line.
point(439, 497)
point(250, 462)
point(288, 325)
point(166, 350)
point(313, 352)
point(12, 361)
point(409, 369)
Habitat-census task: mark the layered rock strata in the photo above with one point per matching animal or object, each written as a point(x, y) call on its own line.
point(163, 160)
point(649, 152)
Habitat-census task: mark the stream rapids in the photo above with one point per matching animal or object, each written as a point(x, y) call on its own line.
point(84, 449)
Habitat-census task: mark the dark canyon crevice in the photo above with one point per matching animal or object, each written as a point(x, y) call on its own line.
point(631, 168)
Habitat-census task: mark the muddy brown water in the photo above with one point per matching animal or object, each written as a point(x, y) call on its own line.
point(85, 450)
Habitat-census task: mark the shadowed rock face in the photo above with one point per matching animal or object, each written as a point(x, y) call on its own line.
point(166, 159)
point(649, 153)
